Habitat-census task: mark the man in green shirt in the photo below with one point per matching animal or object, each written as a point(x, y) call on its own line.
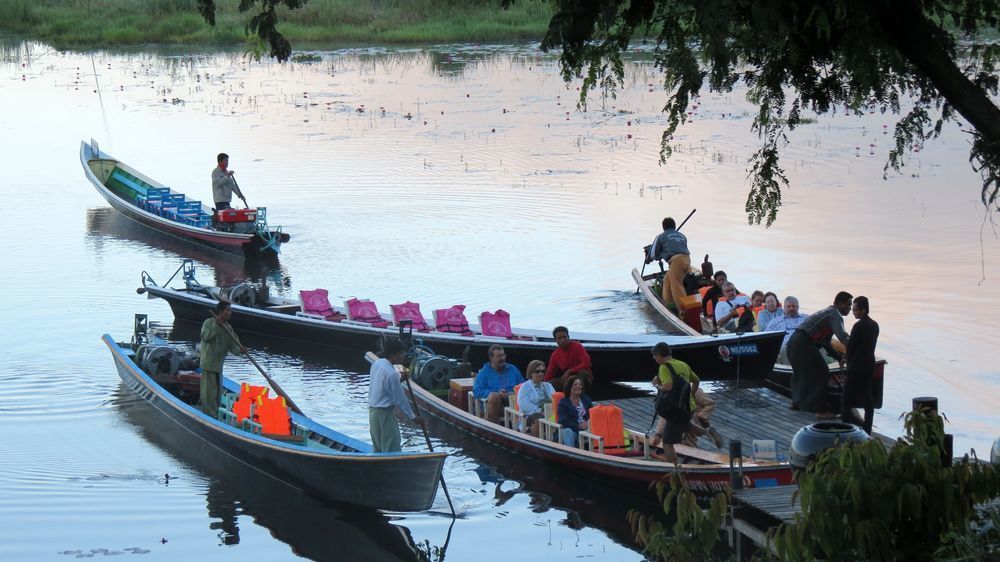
point(671, 432)
point(216, 341)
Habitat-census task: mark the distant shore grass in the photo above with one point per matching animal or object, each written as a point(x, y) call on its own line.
point(86, 24)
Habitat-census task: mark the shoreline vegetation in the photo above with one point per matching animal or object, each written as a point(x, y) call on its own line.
point(91, 24)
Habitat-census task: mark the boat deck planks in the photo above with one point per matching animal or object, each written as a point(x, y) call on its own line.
point(744, 413)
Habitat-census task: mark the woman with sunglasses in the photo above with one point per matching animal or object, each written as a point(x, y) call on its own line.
point(533, 395)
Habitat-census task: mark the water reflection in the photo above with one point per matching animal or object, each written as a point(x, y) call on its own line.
point(311, 528)
point(104, 224)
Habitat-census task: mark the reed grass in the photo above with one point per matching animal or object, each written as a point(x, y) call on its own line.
point(108, 23)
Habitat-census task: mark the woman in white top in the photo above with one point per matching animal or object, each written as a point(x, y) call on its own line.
point(533, 395)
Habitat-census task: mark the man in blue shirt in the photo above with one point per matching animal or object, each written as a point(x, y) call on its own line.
point(671, 247)
point(495, 381)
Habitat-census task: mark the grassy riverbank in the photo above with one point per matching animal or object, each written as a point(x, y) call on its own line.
point(108, 23)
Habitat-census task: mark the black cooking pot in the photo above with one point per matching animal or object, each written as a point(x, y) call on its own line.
point(815, 438)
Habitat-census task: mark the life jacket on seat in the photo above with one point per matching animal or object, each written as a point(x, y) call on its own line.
point(272, 415)
point(243, 407)
point(452, 320)
point(606, 421)
point(318, 302)
point(409, 311)
point(364, 310)
point(495, 324)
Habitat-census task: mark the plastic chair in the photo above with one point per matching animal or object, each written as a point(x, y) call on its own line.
point(317, 303)
point(364, 310)
point(452, 320)
point(512, 416)
point(409, 311)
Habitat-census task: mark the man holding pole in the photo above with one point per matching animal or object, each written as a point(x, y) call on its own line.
point(224, 184)
point(385, 393)
point(671, 247)
point(217, 339)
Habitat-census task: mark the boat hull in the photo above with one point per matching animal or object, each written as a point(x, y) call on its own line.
point(249, 245)
point(618, 358)
point(390, 481)
point(629, 474)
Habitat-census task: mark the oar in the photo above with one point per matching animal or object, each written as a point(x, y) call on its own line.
point(239, 192)
point(270, 381)
point(372, 358)
point(685, 220)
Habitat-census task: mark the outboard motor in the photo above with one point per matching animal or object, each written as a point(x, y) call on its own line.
point(815, 438)
point(434, 372)
point(159, 360)
point(243, 294)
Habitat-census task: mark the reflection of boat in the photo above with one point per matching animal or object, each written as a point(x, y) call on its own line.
point(782, 375)
point(310, 457)
point(105, 222)
point(615, 357)
point(313, 529)
point(157, 206)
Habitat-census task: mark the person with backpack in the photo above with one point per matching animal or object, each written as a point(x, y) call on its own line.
point(677, 386)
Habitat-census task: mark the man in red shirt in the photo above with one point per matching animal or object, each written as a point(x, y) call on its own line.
point(568, 359)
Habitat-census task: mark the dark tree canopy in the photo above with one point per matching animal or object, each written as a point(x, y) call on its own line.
point(264, 24)
point(793, 55)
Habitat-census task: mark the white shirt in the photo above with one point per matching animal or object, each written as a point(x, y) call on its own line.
point(723, 308)
point(531, 399)
point(385, 390)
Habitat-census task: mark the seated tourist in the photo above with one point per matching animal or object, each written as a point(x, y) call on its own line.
point(533, 395)
point(771, 310)
point(757, 299)
point(568, 359)
point(711, 297)
point(495, 381)
point(728, 312)
point(573, 412)
point(789, 320)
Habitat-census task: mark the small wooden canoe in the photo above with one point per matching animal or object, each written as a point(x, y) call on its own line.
point(157, 206)
point(782, 374)
point(314, 459)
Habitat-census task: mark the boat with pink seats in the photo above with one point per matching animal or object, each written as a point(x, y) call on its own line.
point(361, 324)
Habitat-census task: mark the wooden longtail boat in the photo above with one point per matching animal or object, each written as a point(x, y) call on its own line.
point(706, 470)
point(313, 458)
point(628, 357)
point(782, 374)
point(151, 203)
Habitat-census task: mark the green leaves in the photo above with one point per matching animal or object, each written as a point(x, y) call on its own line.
point(830, 54)
point(695, 532)
point(866, 502)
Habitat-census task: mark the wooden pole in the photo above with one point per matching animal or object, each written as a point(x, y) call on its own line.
point(270, 381)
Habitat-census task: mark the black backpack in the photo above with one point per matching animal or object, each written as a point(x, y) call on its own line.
point(676, 402)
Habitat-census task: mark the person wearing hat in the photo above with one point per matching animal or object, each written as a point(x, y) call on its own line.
point(385, 393)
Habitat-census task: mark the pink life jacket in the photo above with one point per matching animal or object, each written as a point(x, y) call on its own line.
point(316, 302)
point(409, 311)
point(452, 320)
point(366, 311)
point(496, 323)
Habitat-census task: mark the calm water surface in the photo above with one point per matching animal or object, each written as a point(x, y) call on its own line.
point(442, 175)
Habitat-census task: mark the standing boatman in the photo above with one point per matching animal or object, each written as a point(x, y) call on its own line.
point(860, 366)
point(671, 247)
point(385, 394)
point(223, 184)
point(216, 341)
